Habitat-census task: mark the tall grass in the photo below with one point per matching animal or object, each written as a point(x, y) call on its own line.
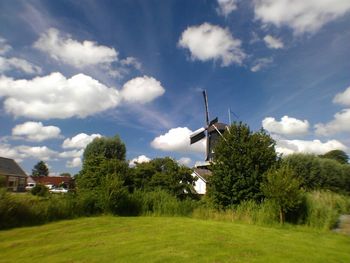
point(250, 212)
point(323, 208)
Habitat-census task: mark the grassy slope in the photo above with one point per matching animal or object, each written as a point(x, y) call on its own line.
point(159, 239)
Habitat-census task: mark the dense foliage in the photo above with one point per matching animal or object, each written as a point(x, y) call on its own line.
point(337, 155)
point(40, 169)
point(165, 174)
point(283, 187)
point(241, 159)
point(320, 173)
point(108, 148)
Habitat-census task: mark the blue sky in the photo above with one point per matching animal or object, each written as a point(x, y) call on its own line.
point(71, 71)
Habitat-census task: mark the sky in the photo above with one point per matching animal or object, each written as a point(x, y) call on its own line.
point(71, 71)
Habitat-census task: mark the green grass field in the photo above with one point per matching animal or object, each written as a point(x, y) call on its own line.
point(164, 239)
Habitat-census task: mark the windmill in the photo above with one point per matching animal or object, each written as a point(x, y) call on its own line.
point(212, 130)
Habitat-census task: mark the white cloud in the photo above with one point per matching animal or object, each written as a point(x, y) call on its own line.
point(131, 61)
point(340, 123)
point(185, 161)
point(71, 154)
point(272, 42)
point(79, 141)
point(226, 7)
point(210, 42)
point(141, 90)
point(55, 96)
point(79, 54)
point(343, 98)
point(35, 131)
point(287, 126)
point(23, 151)
point(76, 162)
point(301, 146)
point(178, 140)
point(139, 159)
point(8, 64)
point(300, 15)
point(260, 64)
point(4, 47)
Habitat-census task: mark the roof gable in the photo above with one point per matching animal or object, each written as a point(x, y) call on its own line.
point(10, 167)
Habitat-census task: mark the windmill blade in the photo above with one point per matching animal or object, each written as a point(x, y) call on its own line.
point(197, 135)
point(206, 107)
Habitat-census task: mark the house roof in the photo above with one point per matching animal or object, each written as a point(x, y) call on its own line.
point(203, 173)
point(54, 180)
point(10, 167)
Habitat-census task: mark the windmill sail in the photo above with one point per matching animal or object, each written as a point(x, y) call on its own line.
point(197, 135)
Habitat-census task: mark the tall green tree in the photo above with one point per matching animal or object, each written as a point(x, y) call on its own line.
point(108, 148)
point(40, 169)
point(241, 158)
point(103, 157)
point(283, 187)
point(337, 155)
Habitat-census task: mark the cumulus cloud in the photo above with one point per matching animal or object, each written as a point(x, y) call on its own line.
point(55, 96)
point(71, 154)
point(139, 159)
point(23, 151)
point(35, 131)
point(226, 7)
point(79, 54)
point(343, 98)
point(141, 90)
point(79, 141)
point(185, 161)
point(178, 140)
point(13, 63)
point(300, 15)
point(260, 64)
point(287, 126)
point(76, 162)
point(302, 146)
point(340, 123)
point(209, 42)
point(272, 42)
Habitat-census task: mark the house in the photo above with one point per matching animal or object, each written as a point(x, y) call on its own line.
point(12, 175)
point(53, 181)
point(202, 173)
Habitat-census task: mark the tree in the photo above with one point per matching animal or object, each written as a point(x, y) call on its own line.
point(103, 157)
point(109, 148)
point(165, 174)
point(66, 175)
point(307, 167)
point(283, 187)
point(40, 169)
point(241, 158)
point(337, 155)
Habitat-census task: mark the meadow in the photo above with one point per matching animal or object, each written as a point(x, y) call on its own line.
point(169, 239)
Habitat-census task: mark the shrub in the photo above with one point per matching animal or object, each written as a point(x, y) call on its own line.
point(40, 190)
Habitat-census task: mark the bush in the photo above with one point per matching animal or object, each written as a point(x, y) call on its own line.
point(40, 190)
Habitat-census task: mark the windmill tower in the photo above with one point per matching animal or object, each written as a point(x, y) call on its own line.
point(212, 132)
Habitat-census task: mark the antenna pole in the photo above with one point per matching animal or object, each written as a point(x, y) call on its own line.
point(229, 116)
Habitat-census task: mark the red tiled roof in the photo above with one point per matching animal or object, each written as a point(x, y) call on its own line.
point(54, 180)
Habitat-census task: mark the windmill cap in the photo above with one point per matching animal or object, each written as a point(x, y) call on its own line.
point(220, 126)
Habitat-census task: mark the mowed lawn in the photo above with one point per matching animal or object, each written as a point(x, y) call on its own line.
point(167, 239)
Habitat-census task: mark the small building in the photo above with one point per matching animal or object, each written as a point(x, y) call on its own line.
point(202, 174)
point(12, 175)
point(53, 181)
